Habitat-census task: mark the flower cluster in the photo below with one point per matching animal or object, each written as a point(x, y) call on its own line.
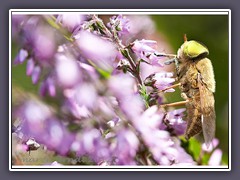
point(101, 106)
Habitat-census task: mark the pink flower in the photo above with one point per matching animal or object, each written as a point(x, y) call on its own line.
point(120, 24)
point(216, 157)
point(71, 21)
point(67, 70)
point(100, 51)
point(164, 80)
point(30, 67)
point(21, 56)
point(146, 50)
point(36, 74)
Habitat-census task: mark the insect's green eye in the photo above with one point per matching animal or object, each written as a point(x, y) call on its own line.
point(194, 49)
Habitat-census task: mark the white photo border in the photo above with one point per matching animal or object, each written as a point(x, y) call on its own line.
point(129, 12)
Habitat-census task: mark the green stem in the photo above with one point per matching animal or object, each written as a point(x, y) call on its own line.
point(115, 38)
point(51, 20)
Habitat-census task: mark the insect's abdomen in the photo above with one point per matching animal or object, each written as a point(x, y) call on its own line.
point(189, 86)
point(194, 124)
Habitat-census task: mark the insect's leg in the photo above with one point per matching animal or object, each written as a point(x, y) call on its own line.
point(180, 103)
point(184, 96)
point(173, 86)
point(165, 55)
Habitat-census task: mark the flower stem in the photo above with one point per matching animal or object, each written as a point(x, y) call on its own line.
point(114, 37)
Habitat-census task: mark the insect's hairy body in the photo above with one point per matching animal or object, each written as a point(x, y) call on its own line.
point(197, 86)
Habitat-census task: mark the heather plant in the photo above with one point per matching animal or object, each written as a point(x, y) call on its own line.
point(106, 86)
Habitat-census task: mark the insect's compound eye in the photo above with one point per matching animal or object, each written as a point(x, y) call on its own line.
point(193, 50)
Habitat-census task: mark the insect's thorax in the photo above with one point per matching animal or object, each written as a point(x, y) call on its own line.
point(187, 75)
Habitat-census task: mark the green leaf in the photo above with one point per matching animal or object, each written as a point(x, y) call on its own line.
point(142, 60)
point(194, 148)
point(144, 94)
point(73, 127)
point(104, 74)
point(52, 21)
point(124, 52)
point(100, 25)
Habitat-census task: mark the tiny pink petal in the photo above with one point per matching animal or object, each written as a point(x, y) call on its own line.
point(216, 157)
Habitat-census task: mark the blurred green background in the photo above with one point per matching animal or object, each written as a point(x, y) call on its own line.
point(211, 30)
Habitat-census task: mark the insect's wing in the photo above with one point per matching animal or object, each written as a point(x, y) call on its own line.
point(207, 111)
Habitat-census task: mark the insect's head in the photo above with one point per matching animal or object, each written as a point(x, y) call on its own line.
point(192, 50)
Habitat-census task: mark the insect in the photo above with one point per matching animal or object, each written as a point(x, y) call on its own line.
point(195, 74)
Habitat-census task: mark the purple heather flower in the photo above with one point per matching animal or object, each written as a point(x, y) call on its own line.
point(38, 123)
point(100, 51)
point(48, 86)
point(71, 21)
point(30, 67)
point(57, 137)
point(155, 60)
point(122, 85)
point(89, 70)
point(144, 47)
point(175, 121)
point(36, 74)
point(212, 145)
point(140, 25)
point(126, 147)
point(121, 62)
point(114, 122)
point(21, 56)
point(163, 80)
point(81, 99)
point(86, 95)
point(17, 21)
point(76, 145)
point(44, 46)
point(37, 38)
point(27, 29)
point(149, 120)
point(90, 142)
point(165, 150)
point(71, 106)
point(89, 139)
point(216, 157)
point(43, 89)
point(67, 70)
point(51, 87)
point(147, 70)
point(33, 115)
point(107, 104)
point(132, 105)
point(155, 139)
point(146, 50)
point(119, 23)
point(182, 158)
